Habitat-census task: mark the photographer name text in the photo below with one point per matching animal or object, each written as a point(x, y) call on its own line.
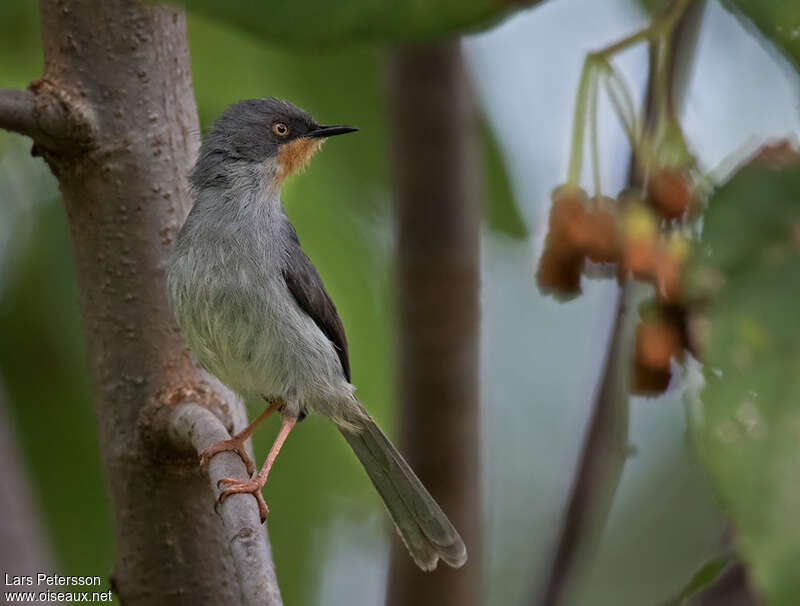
point(43, 580)
point(51, 580)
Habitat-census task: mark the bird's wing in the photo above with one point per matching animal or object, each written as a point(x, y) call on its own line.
point(308, 290)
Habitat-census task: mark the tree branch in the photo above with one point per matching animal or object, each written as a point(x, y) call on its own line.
point(602, 460)
point(17, 111)
point(47, 115)
point(192, 428)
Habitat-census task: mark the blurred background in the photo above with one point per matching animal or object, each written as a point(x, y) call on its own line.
point(540, 358)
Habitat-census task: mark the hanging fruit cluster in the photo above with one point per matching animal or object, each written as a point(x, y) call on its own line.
point(646, 232)
point(640, 235)
point(624, 231)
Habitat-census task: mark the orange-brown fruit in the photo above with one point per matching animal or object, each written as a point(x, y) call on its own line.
point(602, 239)
point(668, 279)
point(669, 192)
point(639, 235)
point(559, 274)
point(649, 382)
point(656, 343)
point(639, 258)
point(568, 218)
point(672, 253)
point(561, 263)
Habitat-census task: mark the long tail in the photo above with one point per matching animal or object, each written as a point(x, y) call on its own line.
point(421, 523)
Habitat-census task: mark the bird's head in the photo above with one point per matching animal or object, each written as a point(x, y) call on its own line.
point(268, 132)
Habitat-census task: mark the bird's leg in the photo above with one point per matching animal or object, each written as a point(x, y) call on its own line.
point(236, 443)
point(254, 485)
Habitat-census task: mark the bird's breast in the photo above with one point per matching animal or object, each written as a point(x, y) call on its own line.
point(243, 324)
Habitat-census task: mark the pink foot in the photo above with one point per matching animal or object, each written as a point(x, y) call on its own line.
point(252, 487)
point(236, 445)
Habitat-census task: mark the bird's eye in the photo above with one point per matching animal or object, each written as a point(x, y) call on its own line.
point(280, 129)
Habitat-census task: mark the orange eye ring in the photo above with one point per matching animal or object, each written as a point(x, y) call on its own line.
point(280, 129)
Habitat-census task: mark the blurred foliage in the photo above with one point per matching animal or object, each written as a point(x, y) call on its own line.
point(708, 573)
point(750, 422)
point(43, 366)
point(778, 20)
point(42, 356)
point(501, 211)
point(321, 23)
point(20, 46)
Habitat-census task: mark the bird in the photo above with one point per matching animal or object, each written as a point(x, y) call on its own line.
point(255, 313)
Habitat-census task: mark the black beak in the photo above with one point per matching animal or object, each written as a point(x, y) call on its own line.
point(329, 131)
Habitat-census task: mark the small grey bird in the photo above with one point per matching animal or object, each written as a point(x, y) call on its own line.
point(256, 314)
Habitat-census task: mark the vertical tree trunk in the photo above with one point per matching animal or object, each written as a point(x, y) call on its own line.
point(114, 117)
point(438, 291)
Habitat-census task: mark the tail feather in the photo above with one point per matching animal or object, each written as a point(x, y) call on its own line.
point(423, 526)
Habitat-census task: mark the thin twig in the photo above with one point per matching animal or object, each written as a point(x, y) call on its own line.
point(594, 144)
point(579, 121)
point(622, 104)
point(45, 115)
point(604, 451)
point(662, 26)
point(191, 427)
point(17, 111)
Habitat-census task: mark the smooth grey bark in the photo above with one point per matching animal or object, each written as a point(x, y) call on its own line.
point(438, 270)
point(194, 428)
point(46, 122)
point(114, 117)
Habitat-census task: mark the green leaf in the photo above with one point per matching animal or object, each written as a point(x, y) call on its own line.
point(703, 578)
point(778, 20)
point(319, 23)
point(501, 211)
point(749, 430)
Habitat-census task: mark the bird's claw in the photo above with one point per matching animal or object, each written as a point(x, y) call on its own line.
point(233, 445)
point(252, 487)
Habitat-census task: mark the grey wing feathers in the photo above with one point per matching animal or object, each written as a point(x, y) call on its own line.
point(308, 290)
